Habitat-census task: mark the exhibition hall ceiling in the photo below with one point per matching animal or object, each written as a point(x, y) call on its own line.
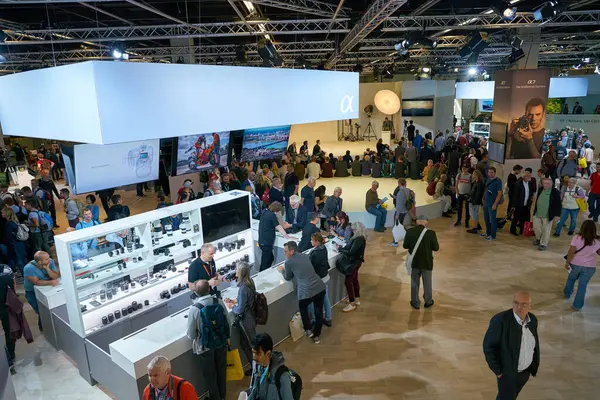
point(337, 34)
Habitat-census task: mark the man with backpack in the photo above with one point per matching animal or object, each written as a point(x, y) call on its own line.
point(209, 330)
point(271, 379)
point(164, 385)
point(117, 210)
point(39, 223)
point(71, 208)
point(47, 185)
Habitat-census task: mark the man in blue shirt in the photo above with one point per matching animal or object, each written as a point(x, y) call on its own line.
point(307, 195)
point(88, 222)
point(41, 271)
point(491, 198)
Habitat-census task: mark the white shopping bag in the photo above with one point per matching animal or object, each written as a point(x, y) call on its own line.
point(243, 396)
point(398, 232)
point(296, 329)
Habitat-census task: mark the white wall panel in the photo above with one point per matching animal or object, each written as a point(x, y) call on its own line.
point(139, 101)
point(55, 103)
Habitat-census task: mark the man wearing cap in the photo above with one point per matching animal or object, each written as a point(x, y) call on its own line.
point(187, 187)
point(422, 262)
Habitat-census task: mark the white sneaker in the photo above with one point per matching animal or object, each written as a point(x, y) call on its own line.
point(349, 307)
point(357, 302)
point(309, 334)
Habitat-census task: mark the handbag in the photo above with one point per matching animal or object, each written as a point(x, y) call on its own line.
point(345, 265)
point(296, 327)
point(528, 229)
point(410, 256)
point(235, 371)
point(576, 251)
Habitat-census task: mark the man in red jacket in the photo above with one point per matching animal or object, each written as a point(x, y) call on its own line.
point(163, 385)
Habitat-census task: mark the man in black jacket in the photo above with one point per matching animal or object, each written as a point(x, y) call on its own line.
point(309, 229)
point(547, 208)
point(422, 263)
point(512, 347)
point(522, 196)
point(510, 184)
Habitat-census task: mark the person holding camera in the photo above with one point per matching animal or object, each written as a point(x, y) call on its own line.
point(527, 132)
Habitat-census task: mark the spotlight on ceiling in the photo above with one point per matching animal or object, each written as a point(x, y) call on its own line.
point(516, 42)
point(240, 54)
point(472, 71)
point(269, 54)
point(357, 68)
point(504, 9)
point(455, 69)
point(388, 72)
point(476, 44)
point(597, 70)
point(219, 60)
point(302, 62)
point(514, 56)
point(119, 54)
point(426, 69)
point(577, 66)
point(416, 40)
point(547, 11)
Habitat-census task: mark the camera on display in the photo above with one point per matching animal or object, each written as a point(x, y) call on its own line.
point(111, 317)
point(117, 314)
point(146, 302)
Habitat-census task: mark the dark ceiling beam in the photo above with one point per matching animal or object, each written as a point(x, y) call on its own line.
point(424, 7)
point(101, 11)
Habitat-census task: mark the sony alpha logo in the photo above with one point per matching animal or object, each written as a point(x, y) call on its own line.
point(346, 104)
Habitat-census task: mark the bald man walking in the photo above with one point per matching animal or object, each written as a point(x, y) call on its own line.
point(512, 348)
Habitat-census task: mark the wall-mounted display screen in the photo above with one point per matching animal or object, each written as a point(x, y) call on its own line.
point(480, 129)
point(264, 143)
point(113, 165)
point(497, 142)
point(486, 105)
point(417, 107)
point(202, 151)
point(224, 219)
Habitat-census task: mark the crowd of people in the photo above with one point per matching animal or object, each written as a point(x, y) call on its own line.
point(457, 171)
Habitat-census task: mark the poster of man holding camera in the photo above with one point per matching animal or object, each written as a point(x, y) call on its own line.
point(520, 100)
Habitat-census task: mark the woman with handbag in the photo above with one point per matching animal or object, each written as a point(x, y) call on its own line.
point(476, 199)
point(350, 261)
point(243, 309)
point(581, 262)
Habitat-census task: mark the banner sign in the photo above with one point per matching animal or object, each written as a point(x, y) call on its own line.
point(520, 99)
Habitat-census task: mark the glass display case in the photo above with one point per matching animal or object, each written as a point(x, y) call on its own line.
point(117, 269)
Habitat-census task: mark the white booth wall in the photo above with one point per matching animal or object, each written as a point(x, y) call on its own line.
point(324, 131)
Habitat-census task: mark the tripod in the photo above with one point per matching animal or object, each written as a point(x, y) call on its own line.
point(369, 131)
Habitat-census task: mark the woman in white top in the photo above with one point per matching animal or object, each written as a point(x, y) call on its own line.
point(569, 195)
point(313, 168)
point(581, 262)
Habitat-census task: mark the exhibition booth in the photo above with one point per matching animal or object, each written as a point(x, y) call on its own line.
point(123, 297)
point(126, 301)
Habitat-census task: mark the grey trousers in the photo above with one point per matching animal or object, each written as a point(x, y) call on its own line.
point(415, 282)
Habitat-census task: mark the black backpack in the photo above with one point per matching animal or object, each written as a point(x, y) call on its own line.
point(295, 379)
point(261, 309)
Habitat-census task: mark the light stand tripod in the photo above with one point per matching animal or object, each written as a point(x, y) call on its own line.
point(369, 131)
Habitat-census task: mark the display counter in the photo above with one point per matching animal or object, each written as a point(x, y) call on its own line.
point(50, 298)
point(119, 305)
point(167, 337)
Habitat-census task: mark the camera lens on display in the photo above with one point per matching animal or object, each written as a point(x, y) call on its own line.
point(220, 246)
point(140, 259)
point(102, 297)
point(124, 311)
point(134, 305)
point(110, 253)
point(239, 244)
point(114, 291)
point(134, 260)
point(109, 295)
point(146, 302)
point(111, 317)
point(129, 309)
point(83, 308)
point(139, 306)
point(129, 247)
point(132, 285)
point(246, 258)
point(124, 264)
point(173, 269)
point(117, 314)
point(122, 250)
point(104, 320)
point(243, 241)
point(167, 296)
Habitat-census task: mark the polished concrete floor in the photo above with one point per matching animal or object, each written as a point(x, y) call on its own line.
point(385, 350)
